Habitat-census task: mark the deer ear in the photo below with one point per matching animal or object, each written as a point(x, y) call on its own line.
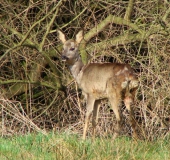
point(61, 36)
point(79, 36)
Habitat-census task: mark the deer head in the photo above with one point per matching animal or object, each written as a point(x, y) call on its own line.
point(70, 52)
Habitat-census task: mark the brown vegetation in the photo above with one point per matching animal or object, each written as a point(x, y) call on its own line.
point(36, 93)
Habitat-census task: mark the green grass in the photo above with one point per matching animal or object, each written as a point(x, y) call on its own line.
point(65, 146)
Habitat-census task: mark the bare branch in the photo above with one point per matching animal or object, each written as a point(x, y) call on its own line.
point(48, 26)
point(129, 10)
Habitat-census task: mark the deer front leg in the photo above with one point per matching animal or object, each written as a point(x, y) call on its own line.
point(115, 107)
point(95, 116)
point(89, 107)
point(128, 102)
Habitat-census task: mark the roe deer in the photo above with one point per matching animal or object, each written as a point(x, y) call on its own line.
point(97, 81)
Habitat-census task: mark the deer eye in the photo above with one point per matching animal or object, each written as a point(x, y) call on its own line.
point(72, 49)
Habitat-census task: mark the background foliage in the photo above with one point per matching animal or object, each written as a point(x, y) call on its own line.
point(37, 91)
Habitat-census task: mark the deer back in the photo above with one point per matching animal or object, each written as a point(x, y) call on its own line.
point(96, 78)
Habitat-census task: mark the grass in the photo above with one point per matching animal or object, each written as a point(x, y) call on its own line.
point(65, 146)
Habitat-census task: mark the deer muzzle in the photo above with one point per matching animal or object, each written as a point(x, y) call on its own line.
point(64, 58)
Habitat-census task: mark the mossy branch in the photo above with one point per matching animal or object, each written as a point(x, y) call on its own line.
point(19, 86)
point(119, 40)
point(100, 27)
point(46, 84)
point(126, 38)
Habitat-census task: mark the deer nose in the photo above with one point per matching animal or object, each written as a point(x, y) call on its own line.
point(64, 58)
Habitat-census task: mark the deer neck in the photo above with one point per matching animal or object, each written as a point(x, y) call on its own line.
point(76, 68)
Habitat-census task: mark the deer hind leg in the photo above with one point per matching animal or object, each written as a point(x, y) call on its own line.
point(128, 100)
point(89, 107)
point(95, 116)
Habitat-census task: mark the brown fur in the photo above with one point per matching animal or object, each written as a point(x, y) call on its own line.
point(113, 81)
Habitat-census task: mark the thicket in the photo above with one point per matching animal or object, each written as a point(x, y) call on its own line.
point(37, 92)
